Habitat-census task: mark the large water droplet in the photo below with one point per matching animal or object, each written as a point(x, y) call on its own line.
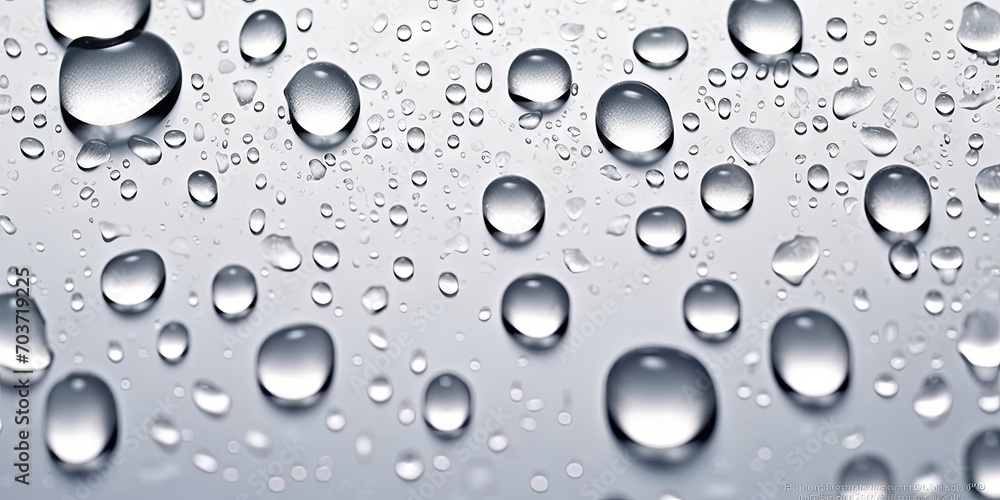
point(262, 37)
point(535, 310)
point(898, 203)
point(295, 365)
point(633, 122)
point(114, 89)
point(865, 478)
point(712, 309)
point(234, 292)
point(810, 357)
point(794, 259)
point(72, 19)
point(447, 405)
point(660, 47)
point(539, 79)
point(982, 458)
point(661, 402)
point(988, 186)
point(324, 103)
point(661, 229)
point(727, 191)
point(132, 281)
point(514, 209)
point(18, 311)
point(81, 421)
point(979, 30)
point(765, 28)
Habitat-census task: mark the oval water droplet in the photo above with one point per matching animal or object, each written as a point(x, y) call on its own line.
point(447, 405)
point(979, 30)
point(661, 402)
point(988, 186)
point(810, 357)
point(633, 121)
point(712, 309)
point(323, 103)
point(904, 259)
point(535, 310)
point(211, 399)
point(234, 292)
point(131, 282)
point(71, 19)
point(979, 344)
point(262, 37)
point(514, 209)
point(765, 28)
point(295, 365)
point(661, 230)
point(982, 459)
point(539, 79)
point(727, 191)
point(898, 203)
point(81, 422)
point(852, 99)
point(933, 400)
point(172, 342)
point(203, 188)
point(660, 47)
point(865, 477)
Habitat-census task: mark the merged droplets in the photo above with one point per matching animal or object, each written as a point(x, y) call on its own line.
point(132, 281)
point(898, 203)
point(539, 80)
point(712, 309)
point(810, 357)
point(323, 102)
point(234, 292)
point(794, 259)
point(727, 191)
point(514, 209)
point(295, 365)
point(661, 402)
point(765, 28)
point(72, 19)
point(535, 310)
point(634, 123)
point(203, 188)
point(661, 230)
point(660, 47)
point(16, 311)
point(447, 405)
point(172, 342)
point(116, 88)
point(982, 459)
point(280, 252)
point(262, 37)
point(81, 422)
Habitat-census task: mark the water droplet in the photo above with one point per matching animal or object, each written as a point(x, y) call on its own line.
point(660, 47)
point(660, 230)
point(727, 191)
point(661, 402)
point(836, 28)
point(81, 422)
point(447, 405)
point(326, 255)
point(979, 344)
point(211, 399)
point(32, 148)
point(988, 186)
point(295, 365)
point(904, 259)
point(979, 30)
point(514, 209)
point(898, 203)
point(408, 465)
point(852, 99)
point(172, 342)
point(794, 259)
point(810, 357)
point(448, 284)
point(93, 154)
point(982, 457)
point(15, 311)
point(753, 144)
point(865, 477)
point(633, 122)
point(712, 309)
point(539, 79)
point(765, 27)
point(280, 252)
point(933, 401)
point(116, 88)
point(234, 292)
point(262, 37)
point(886, 386)
point(482, 24)
point(375, 299)
point(323, 103)
point(880, 141)
point(947, 261)
point(535, 310)
point(132, 281)
point(203, 188)
point(99, 19)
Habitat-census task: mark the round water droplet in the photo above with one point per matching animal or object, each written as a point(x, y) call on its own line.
point(982, 459)
point(262, 37)
point(661, 402)
point(810, 357)
point(765, 28)
point(72, 19)
point(898, 203)
point(633, 122)
point(661, 230)
point(836, 28)
point(535, 310)
point(295, 365)
point(203, 188)
point(172, 342)
point(132, 281)
point(81, 422)
point(323, 103)
point(514, 209)
point(234, 292)
point(727, 191)
point(447, 405)
point(15, 311)
point(988, 186)
point(539, 79)
point(712, 309)
point(904, 259)
point(326, 255)
point(113, 89)
point(660, 47)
